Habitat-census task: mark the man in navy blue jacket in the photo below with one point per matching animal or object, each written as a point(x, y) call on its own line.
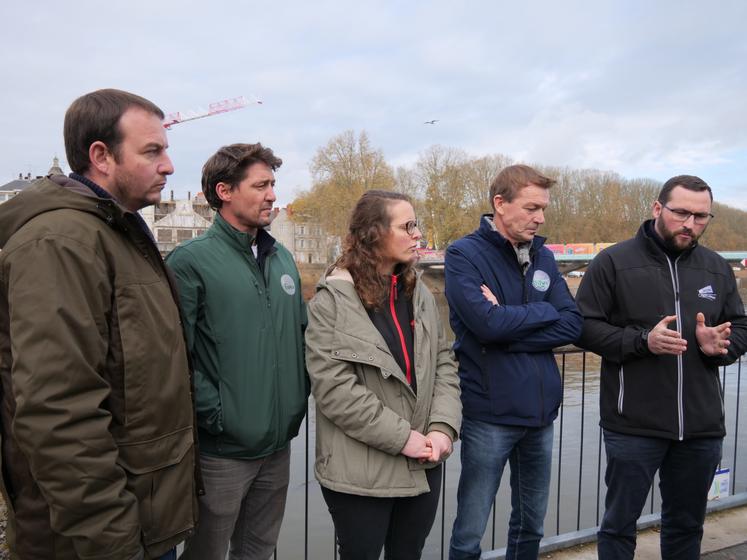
point(509, 307)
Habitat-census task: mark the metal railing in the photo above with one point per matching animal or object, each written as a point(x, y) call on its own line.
point(576, 492)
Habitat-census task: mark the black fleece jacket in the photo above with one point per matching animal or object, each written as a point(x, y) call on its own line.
point(628, 289)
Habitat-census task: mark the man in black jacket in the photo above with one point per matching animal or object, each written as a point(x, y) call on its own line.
point(664, 313)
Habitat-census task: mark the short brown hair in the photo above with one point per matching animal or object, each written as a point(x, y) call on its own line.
point(229, 164)
point(513, 178)
point(95, 117)
point(689, 182)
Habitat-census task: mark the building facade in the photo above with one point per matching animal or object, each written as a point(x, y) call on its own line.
point(11, 189)
point(308, 243)
point(174, 221)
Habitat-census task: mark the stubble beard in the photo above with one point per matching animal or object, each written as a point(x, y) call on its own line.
point(127, 189)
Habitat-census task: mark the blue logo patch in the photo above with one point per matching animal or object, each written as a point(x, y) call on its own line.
point(541, 281)
point(707, 293)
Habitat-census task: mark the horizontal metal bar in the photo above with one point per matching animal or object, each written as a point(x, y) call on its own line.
point(575, 538)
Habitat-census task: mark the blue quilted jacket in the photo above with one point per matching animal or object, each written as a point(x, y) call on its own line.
point(506, 366)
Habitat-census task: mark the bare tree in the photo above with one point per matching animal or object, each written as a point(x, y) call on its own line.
point(342, 171)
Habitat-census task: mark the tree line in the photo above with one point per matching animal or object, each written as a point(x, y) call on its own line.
point(449, 188)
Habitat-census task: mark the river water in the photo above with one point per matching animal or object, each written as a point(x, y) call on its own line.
point(577, 422)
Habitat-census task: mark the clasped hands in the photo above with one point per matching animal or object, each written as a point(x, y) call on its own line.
point(431, 447)
point(713, 341)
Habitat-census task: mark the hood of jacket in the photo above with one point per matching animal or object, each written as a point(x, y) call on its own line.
point(55, 192)
point(338, 275)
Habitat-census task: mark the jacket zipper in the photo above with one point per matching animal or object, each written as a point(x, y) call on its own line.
point(680, 405)
point(263, 273)
point(392, 299)
point(525, 299)
point(621, 394)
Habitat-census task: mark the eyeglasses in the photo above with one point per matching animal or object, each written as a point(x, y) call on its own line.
point(409, 227)
point(681, 215)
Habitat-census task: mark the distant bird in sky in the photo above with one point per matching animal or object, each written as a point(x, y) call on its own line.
point(434, 121)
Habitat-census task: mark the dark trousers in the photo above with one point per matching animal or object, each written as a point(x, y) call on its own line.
point(366, 524)
point(686, 469)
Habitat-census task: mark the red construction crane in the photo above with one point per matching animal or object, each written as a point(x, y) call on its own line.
point(216, 108)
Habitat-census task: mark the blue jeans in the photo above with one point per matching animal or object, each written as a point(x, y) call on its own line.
point(485, 450)
point(170, 555)
point(686, 470)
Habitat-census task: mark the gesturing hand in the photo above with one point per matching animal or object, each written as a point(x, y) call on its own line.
point(663, 340)
point(417, 446)
point(713, 341)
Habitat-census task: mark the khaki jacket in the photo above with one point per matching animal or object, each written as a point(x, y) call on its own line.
point(98, 449)
point(365, 408)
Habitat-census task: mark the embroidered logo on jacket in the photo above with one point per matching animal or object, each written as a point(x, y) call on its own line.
point(288, 284)
point(707, 293)
point(540, 280)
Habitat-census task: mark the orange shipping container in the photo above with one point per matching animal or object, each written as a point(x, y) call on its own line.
point(601, 246)
point(579, 248)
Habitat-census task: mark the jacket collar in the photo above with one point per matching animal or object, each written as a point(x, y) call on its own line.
point(354, 329)
point(654, 245)
point(240, 240)
point(343, 281)
point(56, 192)
point(102, 193)
point(490, 233)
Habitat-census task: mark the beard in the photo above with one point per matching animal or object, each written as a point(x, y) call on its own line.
point(671, 240)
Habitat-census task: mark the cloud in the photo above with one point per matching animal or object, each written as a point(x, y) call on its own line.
point(644, 89)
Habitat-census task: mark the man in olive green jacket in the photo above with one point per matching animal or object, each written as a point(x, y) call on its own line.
point(244, 318)
point(98, 446)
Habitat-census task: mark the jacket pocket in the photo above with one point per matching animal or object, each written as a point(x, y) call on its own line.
point(208, 403)
point(160, 473)
point(347, 461)
point(153, 356)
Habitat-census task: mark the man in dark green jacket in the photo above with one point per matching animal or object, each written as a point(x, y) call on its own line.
point(244, 318)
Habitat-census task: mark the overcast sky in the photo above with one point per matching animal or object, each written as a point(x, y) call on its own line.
point(646, 89)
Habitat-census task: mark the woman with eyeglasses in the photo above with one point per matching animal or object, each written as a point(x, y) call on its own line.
point(385, 386)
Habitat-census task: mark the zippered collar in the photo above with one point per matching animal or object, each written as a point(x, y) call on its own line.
point(646, 234)
point(352, 333)
point(240, 240)
point(490, 233)
point(395, 283)
point(341, 278)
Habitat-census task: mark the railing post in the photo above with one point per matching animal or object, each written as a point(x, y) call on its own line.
point(560, 443)
point(581, 444)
